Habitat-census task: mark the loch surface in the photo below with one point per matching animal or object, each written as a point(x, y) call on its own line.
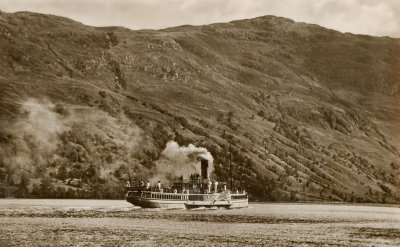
point(42, 222)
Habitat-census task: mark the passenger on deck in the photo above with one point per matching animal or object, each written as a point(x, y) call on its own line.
point(159, 185)
point(148, 184)
point(128, 184)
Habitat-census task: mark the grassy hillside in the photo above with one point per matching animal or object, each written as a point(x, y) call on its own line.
point(311, 113)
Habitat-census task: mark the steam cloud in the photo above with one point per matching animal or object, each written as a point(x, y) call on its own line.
point(179, 161)
point(36, 137)
point(46, 134)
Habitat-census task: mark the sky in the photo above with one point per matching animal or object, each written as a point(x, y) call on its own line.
point(373, 17)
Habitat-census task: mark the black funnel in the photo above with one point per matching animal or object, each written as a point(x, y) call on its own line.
point(204, 168)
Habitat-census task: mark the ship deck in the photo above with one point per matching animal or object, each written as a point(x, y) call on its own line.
point(151, 199)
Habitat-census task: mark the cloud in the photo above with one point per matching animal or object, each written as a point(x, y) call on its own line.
point(372, 17)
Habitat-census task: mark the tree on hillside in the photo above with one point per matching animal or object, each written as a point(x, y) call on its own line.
point(46, 188)
point(23, 190)
point(261, 114)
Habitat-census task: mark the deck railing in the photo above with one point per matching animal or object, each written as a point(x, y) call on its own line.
point(185, 196)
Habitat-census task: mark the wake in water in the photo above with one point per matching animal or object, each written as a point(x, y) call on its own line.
point(206, 208)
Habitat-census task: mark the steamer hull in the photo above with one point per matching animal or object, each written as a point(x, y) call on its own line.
point(243, 203)
point(154, 203)
point(148, 199)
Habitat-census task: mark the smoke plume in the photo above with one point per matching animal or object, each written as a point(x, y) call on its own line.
point(35, 135)
point(46, 134)
point(183, 161)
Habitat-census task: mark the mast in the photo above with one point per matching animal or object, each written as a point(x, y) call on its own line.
point(129, 176)
point(230, 164)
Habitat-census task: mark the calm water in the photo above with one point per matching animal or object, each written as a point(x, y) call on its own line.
point(118, 223)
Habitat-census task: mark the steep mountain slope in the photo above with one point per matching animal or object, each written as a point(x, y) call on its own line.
point(311, 113)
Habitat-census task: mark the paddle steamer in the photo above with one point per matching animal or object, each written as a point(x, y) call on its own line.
point(194, 192)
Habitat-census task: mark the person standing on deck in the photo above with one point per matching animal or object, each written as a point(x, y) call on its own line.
point(159, 185)
point(148, 184)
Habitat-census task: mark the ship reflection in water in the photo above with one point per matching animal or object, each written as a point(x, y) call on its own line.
point(196, 192)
